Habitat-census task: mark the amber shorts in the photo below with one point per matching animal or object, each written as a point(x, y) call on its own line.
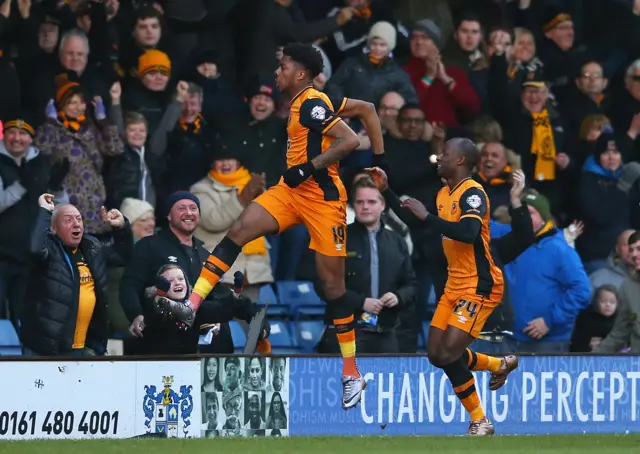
point(325, 220)
point(467, 312)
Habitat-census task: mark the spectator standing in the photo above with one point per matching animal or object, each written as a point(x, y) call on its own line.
point(223, 194)
point(24, 175)
point(595, 322)
point(619, 265)
point(277, 22)
point(626, 330)
point(369, 76)
point(350, 39)
point(548, 286)
point(625, 115)
point(387, 295)
point(73, 58)
point(65, 310)
point(534, 131)
point(518, 61)
point(495, 174)
point(444, 92)
point(70, 134)
point(148, 93)
point(587, 97)
point(468, 52)
point(189, 144)
point(260, 136)
point(604, 208)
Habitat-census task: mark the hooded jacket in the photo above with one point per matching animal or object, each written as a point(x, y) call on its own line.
point(549, 281)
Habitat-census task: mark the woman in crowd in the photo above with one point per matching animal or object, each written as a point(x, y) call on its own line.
point(604, 208)
point(69, 133)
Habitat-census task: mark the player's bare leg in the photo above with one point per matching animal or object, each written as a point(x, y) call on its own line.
point(254, 222)
point(446, 351)
point(340, 304)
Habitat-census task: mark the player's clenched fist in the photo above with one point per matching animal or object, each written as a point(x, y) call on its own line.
point(296, 175)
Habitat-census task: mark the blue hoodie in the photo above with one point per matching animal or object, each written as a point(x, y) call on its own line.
point(548, 281)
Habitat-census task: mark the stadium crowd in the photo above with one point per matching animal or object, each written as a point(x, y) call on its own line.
point(158, 122)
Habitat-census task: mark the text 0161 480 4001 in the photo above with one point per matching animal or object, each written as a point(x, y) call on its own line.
point(58, 422)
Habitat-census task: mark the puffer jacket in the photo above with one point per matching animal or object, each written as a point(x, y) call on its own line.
point(358, 78)
point(51, 304)
point(220, 207)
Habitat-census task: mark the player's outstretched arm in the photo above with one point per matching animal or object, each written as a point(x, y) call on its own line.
point(367, 113)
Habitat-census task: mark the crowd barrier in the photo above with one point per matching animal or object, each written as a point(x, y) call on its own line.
point(297, 396)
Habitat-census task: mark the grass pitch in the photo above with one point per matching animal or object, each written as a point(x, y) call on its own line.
point(561, 444)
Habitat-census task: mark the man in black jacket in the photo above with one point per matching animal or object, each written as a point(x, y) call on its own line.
point(24, 175)
point(65, 308)
point(175, 245)
point(378, 269)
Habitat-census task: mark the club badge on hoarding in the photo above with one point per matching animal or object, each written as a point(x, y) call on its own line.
point(166, 411)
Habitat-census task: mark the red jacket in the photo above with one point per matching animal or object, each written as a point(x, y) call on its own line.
point(440, 104)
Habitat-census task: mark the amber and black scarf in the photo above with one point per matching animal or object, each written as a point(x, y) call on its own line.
point(72, 124)
point(543, 146)
point(503, 178)
point(194, 127)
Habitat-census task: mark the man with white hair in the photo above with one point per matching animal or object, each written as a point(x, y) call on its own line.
point(73, 55)
point(64, 312)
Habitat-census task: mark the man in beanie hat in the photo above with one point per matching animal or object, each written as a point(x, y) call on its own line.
point(548, 286)
point(147, 92)
point(176, 245)
point(445, 94)
point(260, 136)
point(25, 174)
point(369, 76)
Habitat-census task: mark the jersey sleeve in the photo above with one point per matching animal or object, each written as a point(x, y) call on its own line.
point(338, 104)
point(473, 204)
point(316, 115)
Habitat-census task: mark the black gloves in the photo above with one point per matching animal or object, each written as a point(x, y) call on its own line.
point(296, 175)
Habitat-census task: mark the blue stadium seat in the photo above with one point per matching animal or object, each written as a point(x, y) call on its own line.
point(267, 296)
point(238, 335)
point(9, 341)
point(301, 298)
point(281, 338)
point(308, 333)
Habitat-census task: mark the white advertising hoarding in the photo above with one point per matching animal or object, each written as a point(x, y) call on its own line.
point(99, 399)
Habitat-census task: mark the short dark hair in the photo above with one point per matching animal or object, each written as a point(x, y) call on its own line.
point(146, 12)
point(409, 106)
point(634, 238)
point(305, 55)
point(468, 16)
point(467, 149)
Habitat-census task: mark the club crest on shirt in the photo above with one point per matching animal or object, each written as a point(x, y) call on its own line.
point(454, 207)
